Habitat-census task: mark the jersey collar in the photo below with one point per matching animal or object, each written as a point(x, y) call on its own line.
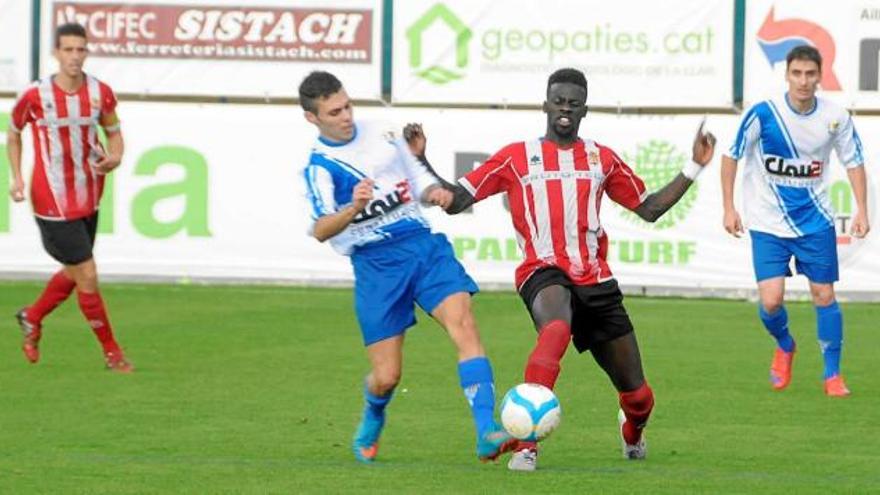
point(335, 144)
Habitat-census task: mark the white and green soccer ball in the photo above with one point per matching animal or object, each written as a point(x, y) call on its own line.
point(530, 412)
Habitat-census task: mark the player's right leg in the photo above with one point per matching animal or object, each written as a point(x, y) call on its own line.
point(386, 359)
point(549, 305)
point(770, 257)
point(774, 317)
point(384, 306)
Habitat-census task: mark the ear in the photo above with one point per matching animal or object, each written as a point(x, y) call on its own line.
point(311, 117)
point(544, 107)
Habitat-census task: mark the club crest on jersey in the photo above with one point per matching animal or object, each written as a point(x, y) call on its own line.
point(593, 159)
point(382, 206)
point(96, 102)
point(833, 126)
point(804, 170)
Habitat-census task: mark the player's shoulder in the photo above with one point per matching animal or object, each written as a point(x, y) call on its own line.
point(31, 91)
point(831, 109)
point(512, 149)
point(92, 80)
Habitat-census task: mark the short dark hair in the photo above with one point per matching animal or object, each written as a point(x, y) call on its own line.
point(318, 84)
point(69, 29)
point(567, 75)
point(803, 52)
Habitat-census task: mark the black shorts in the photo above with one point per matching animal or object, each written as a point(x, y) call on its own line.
point(598, 312)
point(70, 242)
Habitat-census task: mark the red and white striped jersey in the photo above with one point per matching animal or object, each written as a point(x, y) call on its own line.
point(555, 195)
point(64, 186)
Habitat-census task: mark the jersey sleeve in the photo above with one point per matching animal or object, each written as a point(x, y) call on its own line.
point(492, 177)
point(746, 136)
point(622, 185)
point(416, 171)
point(108, 106)
point(847, 143)
point(22, 111)
point(319, 192)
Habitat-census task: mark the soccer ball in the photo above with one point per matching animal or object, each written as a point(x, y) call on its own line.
point(530, 412)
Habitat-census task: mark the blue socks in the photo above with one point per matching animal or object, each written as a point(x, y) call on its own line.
point(829, 329)
point(475, 376)
point(777, 325)
point(375, 409)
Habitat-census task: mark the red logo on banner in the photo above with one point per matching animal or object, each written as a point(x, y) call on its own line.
point(209, 32)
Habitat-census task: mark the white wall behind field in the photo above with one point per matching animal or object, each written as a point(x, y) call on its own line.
point(212, 191)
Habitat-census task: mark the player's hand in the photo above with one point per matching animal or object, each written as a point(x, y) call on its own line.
point(415, 138)
point(16, 190)
point(362, 194)
point(704, 145)
point(106, 163)
point(439, 196)
point(733, 224)
point(860, 226)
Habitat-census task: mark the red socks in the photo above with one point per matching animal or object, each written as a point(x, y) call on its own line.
point(57, 290)
point(636, 405)
point(543, 365)
point(92, 307)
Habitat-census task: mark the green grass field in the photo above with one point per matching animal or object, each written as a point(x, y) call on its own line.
point(257, 390)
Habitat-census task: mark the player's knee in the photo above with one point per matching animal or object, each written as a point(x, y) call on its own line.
point(640, 400)
point(384, 380)
point(772, 304)
point(822, 298)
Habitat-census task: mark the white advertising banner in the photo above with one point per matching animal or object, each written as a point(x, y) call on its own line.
point(15, 44)
point(846, 34)
point(223, 47)
point(215, 192)
point(675, 53)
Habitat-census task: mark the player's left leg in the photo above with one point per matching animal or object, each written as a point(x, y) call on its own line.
point(621, 361)
point(602, 325)
point(91, 304)
point(474, 372)
point(829, 330)
point(816, 257)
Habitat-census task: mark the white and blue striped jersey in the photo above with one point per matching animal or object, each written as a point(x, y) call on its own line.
point(786, 174)
point(400, 179)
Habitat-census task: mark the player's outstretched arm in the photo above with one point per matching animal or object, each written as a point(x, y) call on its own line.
point(659, 202)
point(417, 141)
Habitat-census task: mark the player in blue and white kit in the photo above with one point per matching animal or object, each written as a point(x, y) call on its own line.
point(786, 143)
point(364, 186)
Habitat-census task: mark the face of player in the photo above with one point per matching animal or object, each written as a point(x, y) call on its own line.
point(71, 55)
point(803, 78)
point(335, 117)
point(566, 105)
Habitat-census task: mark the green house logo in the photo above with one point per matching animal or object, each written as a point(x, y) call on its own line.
point(657, 163)
point(434, 73)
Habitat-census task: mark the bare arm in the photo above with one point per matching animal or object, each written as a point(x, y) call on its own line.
point(115, 145)
point(13, 151)
point(659, 202)
point(732, 221)
point(329, 225)
point(858, 180)
point(461, 199)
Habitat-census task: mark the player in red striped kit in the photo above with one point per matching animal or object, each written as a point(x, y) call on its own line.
point(64, 111)
point(555, 186)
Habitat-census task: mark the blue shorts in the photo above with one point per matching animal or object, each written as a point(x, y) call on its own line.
point(391, 277)
point(815, 256)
